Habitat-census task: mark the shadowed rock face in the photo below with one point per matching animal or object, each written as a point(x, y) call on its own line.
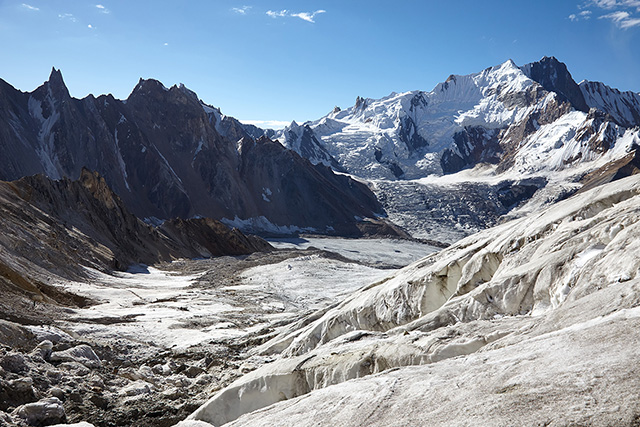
point(554, 76)
point(59, 227)
point(165, 156)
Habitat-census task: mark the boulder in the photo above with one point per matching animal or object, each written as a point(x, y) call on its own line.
point(43, 412)
point(82, 354)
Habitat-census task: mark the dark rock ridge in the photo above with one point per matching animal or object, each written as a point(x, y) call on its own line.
point(613, 171)
point(554, 76)
point(166, 155)
point(473, 145)
point(622, 108)
point(57, 228)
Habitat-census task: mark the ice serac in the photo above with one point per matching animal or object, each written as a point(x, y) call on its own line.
point(167, 154)
point(487, 322)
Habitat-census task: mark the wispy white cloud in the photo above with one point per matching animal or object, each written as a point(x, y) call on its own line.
point(29, 7)
point(582, 16)
point(306, 16)
point(67, 16)
point(629, 23)
point(241, 10)
point(623, 14)
point(103, 9)
point(604, 4)
point(280, 14)
point(614, 4)
point(622, 19)
point(616, 17)
point(309, 17)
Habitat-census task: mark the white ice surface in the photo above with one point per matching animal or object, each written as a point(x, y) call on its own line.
point(155, 300)
point(551, 298)
point(309, 281)
point(380, 252)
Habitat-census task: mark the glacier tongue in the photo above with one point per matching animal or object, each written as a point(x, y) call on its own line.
point(500, 316)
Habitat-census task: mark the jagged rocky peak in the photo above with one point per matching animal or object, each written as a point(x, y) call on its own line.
point(55, 78)
point(554, 76)
point(361, 103)
point(147, 87)
point(181, 88)
point(54, 87)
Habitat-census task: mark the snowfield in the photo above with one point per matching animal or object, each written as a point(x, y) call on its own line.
point(148, 305)
point(534, 321)
point(308, 282)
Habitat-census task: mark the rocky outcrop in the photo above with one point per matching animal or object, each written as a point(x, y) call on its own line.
point(473, 145)
point(613, 171)
point(59, 228)
point(622, 107)
point(302, 140)
point(554, 76)
point(205, 237)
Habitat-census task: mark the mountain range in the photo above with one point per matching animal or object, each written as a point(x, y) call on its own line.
point(530, 319)
point(492, 139)
point(167, 154)
point(488, 116)
point(442, 164)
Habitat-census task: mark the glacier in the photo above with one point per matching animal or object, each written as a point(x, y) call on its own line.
point(533, 309)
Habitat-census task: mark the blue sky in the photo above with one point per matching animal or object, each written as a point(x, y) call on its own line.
point(284, 60)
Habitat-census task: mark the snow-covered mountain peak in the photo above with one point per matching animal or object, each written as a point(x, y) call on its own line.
point(406, 132)
point(503, 114)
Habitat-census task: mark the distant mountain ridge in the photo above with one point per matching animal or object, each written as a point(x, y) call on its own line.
point(167, 154)
point(501, 142)
point(466, 120)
